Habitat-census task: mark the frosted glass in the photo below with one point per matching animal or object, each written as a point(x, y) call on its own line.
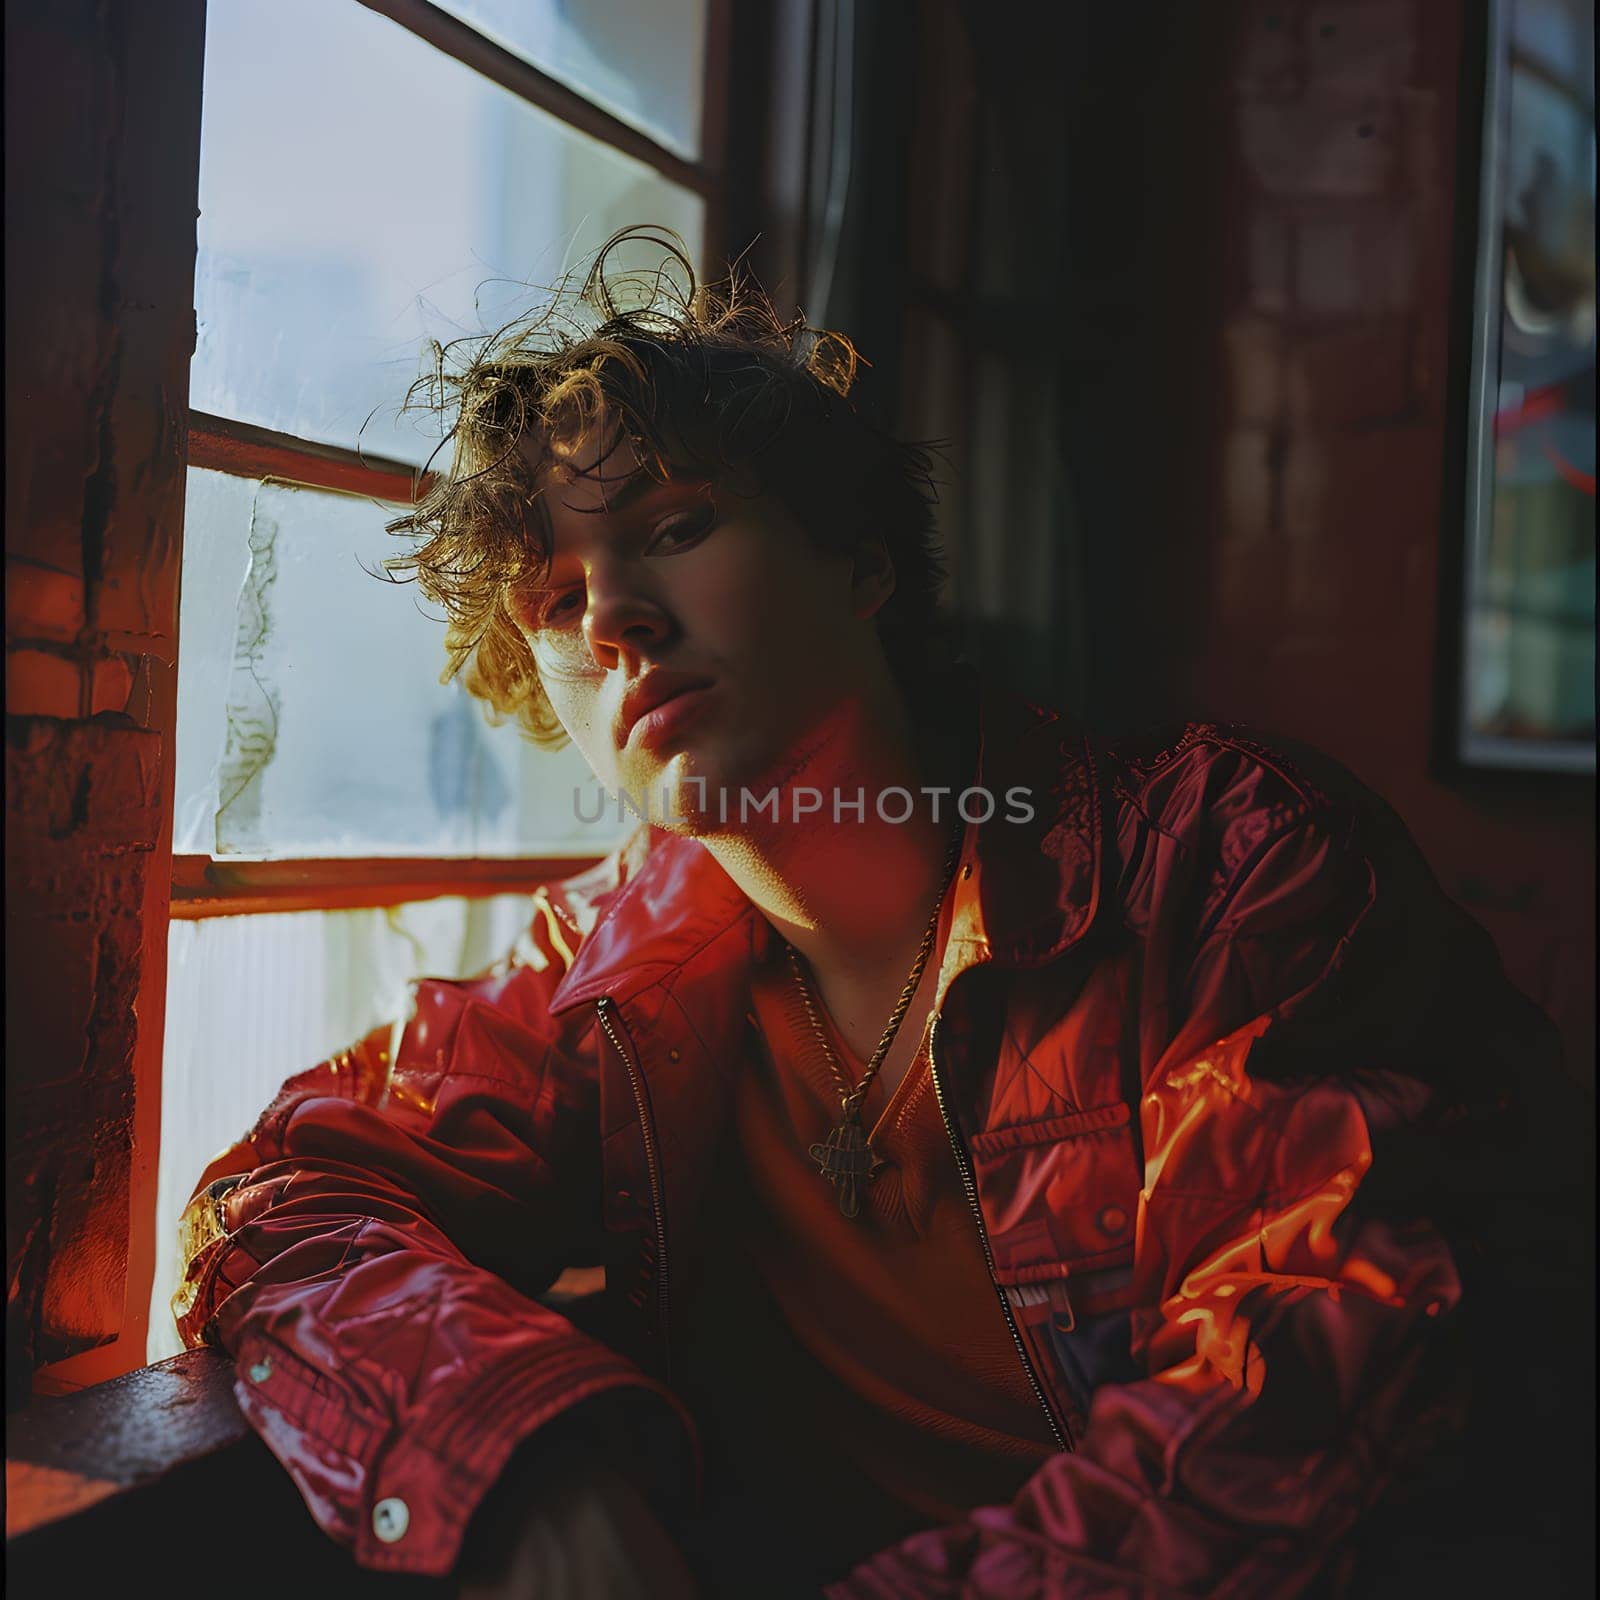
point(253, 1000)
point(640, 59)
point(311, 721)
point(360, 192)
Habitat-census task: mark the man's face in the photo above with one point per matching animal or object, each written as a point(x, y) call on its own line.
point(689, 631)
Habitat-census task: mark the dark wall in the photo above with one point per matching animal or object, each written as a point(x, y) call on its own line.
point(1260, 218)
point(1332, 462)
point(1252, 275)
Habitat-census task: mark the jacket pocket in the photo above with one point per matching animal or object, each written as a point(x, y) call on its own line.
point(1060, 1198)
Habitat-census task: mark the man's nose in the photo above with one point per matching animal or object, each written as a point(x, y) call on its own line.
point(624, 620)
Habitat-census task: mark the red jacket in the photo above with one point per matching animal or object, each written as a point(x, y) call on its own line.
point(1180, 1011)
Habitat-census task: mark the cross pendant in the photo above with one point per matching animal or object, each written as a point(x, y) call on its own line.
point(845, 1159)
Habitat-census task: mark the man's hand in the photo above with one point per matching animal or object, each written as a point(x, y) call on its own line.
point(563, 1523)
point(590, 1537)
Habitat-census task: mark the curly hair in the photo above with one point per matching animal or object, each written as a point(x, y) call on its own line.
point(705, 378)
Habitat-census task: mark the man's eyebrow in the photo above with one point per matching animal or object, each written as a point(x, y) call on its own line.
point(641, 484)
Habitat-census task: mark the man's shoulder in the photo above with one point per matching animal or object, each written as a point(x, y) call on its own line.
point(1213, 823)
point(1224, 788)
point(575, 902)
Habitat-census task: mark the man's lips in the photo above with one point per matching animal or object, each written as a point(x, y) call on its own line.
point(651, 701)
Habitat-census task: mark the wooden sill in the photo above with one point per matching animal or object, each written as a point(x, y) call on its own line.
point(202, 887)
point(65, 1453)
point(68, 1453)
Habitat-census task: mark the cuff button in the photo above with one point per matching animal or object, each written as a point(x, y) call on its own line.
point(1112, 1220)
point(390, 1519)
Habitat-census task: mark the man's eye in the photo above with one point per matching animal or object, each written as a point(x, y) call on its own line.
point(681, 531)
point(561, 608)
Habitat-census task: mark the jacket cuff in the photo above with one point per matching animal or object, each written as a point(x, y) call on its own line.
point(401, 1494)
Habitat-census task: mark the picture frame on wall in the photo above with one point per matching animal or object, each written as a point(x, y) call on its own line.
point(1524, 695)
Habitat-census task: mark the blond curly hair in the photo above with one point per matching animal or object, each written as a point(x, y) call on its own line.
point(695, 376)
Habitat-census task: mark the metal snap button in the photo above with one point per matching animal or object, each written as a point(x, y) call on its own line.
point(390, 1519)
point(1112, 1219)
point(261, 1370)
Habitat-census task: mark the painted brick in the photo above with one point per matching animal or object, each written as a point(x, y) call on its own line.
point(1267, 57)
point(92, 783)
point(1349, 664)
point(42, 784)
point(1357, 265)
point(49, 1043)
point(106, 187)
point(124, 785)
point(41, 684)
point(141, 700)
point(1317, 568)
point(1316, 582)
point(1254, 348)
point(83, 1295)
point(42, 603)
point(1246, 560)
point(125, 603)
point(1429, 172)
point(1316, 677)
point(1345, 376)
point(1248, 486)
point(1355, 505)
point(1266, 264)
point(113, 686)
point(1370, 46)
point(1327, 145)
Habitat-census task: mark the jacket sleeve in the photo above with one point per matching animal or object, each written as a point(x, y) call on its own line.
point(1324, 1014)
point(371, 1258)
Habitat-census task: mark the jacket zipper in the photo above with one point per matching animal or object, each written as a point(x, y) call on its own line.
point(605, 1009)
point(1058, 1430)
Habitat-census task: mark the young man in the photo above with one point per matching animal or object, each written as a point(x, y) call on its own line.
point(1018, 1166)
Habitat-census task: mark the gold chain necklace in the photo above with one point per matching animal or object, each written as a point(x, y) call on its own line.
point(846, 1157)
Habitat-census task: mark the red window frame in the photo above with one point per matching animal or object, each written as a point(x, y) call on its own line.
point(754, 131)
point(204, 886)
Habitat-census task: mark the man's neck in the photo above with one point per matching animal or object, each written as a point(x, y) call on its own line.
point(854, 894)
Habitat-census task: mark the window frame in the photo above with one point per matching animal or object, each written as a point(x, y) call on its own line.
point(744, 177)
point(204, 885)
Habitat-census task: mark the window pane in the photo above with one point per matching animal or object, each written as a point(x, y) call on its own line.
point(1529, 668)
point(359, 192)
point(311, 719)
point(254, 1000)
point(640, 59)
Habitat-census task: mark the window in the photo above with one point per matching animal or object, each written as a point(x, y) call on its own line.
point(1526, 687)
point(372, 176)
point(986, 337)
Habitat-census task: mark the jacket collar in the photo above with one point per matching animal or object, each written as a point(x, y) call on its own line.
point(1025, 890)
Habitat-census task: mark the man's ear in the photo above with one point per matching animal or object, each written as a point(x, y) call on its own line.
point(871, 576)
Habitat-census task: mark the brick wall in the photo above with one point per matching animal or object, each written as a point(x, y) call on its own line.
point(1320, 468)
point(1238, 223)
point(102, 136)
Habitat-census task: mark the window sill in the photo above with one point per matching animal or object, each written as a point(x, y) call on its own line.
point(68, 1453)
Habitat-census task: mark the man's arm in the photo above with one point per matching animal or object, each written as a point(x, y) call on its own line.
point(374, 1270)
point(574, 1515)
point(1296, 1335)
point(1284, 1351)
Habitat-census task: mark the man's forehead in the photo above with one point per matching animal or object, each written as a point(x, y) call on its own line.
point(603, 469)
point(598, 447)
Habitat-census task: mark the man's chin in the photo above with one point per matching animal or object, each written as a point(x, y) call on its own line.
point(695, 795)
point(668, 793)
